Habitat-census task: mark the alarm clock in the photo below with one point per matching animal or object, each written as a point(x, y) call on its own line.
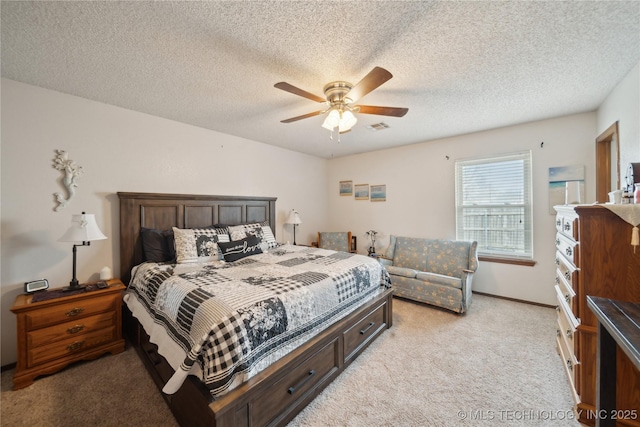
point(36, 285)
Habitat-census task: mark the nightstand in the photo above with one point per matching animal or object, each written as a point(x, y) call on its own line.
point(56, 332)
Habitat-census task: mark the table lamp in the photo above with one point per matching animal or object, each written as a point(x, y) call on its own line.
point(83, 229)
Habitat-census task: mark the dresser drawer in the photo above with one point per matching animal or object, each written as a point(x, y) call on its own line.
point(567, 225)
point(71, 345)
point(567, 331)
point(567, 271)
point(363, 331)
point(78, 327)
point(570, 366)
point(564, 308)
point(69, 311)
point(568, 248)
point(565, 290)
point(294, 385)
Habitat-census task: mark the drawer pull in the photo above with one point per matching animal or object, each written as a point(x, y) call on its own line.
point(75, 329)
point(567, 227)
point(558, 333)
point(558, 222)
point(74, 312)
point(557, 261)
point(557, 242)
point(569, 251)
point(569, 333)
point(569, 365)
point(567, 298)
point(76, 345)
point(310, 375)
point(364, 331)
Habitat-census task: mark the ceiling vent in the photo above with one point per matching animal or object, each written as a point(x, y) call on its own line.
point(378, 126)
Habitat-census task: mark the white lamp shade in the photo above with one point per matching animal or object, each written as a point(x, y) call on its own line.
point(347, 121)
point(83, 229)
point(332, 121)
point(294, 218)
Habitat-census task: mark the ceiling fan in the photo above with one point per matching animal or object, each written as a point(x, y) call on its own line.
point(340, 97)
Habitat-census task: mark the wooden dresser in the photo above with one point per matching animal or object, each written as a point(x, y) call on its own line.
point(594, 257)
point(56, 332)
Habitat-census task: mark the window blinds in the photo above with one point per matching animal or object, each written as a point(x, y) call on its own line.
point(493, 204)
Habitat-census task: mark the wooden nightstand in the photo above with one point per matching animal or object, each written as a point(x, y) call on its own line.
point(56, 332)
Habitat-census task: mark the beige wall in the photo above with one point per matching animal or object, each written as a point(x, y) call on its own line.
point(420, 193)
point(121, 150)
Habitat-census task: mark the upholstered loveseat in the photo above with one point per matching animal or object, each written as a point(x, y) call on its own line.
point(437, 272)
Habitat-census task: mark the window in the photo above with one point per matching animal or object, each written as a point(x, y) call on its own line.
point(493, 205)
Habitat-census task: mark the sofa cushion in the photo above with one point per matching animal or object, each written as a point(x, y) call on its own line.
point(411, 252)
point(440, 279)
point(447, 257)
point(399, 271)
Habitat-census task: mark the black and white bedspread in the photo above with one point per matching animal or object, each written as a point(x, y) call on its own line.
point(225, 322)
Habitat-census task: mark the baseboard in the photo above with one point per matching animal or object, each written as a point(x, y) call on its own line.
point(539, 304)
point(7, 367)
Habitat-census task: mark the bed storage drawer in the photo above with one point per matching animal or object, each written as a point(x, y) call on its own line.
point(296, 384)
point(363, 331)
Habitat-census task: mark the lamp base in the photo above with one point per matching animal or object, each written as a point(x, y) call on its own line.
point(73, 286)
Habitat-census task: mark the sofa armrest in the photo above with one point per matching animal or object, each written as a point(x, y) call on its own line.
point(385, 261)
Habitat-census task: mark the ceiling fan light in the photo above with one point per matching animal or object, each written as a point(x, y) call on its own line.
point(332, 121)
point(347, 122)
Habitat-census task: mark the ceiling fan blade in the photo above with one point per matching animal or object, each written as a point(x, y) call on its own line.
point(305, 116)
point(297, 91)
point(383, 111)
point(371, 81)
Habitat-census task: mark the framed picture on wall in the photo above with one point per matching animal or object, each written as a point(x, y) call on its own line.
point(346, 188)
point(362, 191)
point(379, 193)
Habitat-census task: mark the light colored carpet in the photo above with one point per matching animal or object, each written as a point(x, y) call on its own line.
point(495, 365)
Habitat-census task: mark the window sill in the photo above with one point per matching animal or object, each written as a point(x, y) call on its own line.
point(514, 261)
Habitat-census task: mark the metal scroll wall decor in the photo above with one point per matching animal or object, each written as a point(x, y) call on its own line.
point(72, 172)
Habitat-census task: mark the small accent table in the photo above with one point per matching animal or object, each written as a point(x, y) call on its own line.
point(618, 326)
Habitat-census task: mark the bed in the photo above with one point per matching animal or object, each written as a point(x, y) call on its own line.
point(278, 383)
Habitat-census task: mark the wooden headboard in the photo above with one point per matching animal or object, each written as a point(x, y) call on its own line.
point(163, 211)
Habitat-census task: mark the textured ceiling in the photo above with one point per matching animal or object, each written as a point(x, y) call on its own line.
point(459, 67)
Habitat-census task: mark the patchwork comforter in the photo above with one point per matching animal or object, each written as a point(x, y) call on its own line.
point(225, 322)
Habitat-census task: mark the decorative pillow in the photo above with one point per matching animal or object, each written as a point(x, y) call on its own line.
point(238, 249)
point(158, 245)
point(261, 230)
point(198, 244)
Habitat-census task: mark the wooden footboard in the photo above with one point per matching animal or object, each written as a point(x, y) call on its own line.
point(277, 394)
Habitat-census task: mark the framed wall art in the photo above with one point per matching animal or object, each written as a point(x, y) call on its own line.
point(362, 191)
point(379, 193)
point(346, 188)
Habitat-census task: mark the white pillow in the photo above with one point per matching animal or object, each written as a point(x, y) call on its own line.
point(198, 244)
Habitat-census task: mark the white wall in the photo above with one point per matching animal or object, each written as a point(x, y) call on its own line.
point(420, 193)
point(623, 105)
point(121, 150)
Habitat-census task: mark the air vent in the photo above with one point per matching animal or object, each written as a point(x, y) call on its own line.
point(378, 126)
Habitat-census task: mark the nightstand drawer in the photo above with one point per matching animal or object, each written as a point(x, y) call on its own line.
point(74, 328)
point(69, 346)
point(69, 311)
